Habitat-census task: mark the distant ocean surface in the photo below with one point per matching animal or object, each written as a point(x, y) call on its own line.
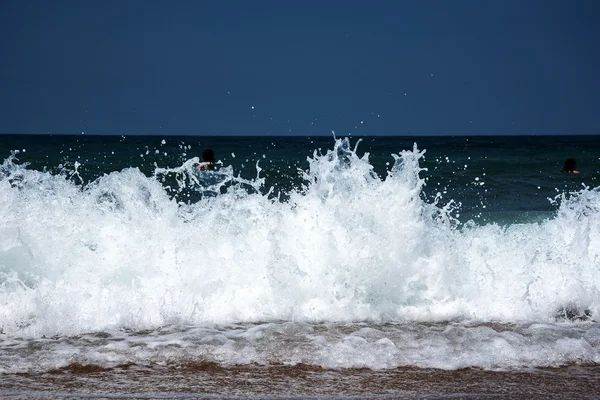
point(299, 267)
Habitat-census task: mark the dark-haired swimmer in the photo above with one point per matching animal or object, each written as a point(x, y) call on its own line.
point(208, 157)
point(570, 166)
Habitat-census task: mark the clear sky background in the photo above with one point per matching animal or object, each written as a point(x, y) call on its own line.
point(303, 67)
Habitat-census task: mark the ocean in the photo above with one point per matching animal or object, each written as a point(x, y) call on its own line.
point(301, 267)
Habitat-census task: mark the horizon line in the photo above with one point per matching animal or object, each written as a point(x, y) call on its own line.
point(333, 133)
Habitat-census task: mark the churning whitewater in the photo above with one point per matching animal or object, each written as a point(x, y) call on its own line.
point(350, 270)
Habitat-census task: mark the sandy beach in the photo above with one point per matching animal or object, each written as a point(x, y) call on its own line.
point(207, 380)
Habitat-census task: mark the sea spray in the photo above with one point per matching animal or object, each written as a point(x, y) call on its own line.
point(352, 269)
point(120, 252)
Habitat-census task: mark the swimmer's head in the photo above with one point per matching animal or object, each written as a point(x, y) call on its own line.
point(570, 165)
point(208, 155)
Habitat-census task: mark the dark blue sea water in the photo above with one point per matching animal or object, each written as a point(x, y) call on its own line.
point(494, 178)
point(322, 254)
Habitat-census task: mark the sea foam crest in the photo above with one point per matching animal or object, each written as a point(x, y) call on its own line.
point(120, 252)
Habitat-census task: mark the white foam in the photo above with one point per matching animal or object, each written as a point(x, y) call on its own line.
point(445, 346)
point(348, 247)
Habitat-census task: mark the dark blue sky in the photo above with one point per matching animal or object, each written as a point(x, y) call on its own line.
point(310, 67)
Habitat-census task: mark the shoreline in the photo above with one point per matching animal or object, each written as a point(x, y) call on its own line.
point(212, 381)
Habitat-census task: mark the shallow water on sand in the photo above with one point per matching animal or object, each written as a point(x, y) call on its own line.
point(210, 381)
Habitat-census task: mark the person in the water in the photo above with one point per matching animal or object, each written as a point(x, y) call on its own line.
point(208, 158)
point(570, 166)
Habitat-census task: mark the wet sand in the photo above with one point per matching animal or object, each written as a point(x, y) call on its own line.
point(208, 380)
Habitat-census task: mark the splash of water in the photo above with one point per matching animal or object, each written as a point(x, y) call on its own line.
point(120, 252)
